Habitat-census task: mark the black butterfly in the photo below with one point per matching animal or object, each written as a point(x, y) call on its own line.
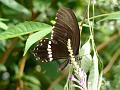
point(66, 28)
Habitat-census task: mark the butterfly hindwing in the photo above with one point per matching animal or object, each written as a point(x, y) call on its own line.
point(48, 50)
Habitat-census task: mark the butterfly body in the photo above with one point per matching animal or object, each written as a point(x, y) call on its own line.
point(65, 39)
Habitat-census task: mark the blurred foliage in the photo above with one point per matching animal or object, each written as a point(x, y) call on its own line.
point(18, 71)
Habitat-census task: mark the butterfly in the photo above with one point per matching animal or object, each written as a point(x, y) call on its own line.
point(65, 29)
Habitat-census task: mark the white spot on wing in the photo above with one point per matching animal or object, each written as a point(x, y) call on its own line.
point(51, 36)
point(51, 59)
point(49, 52)
point(52, 33)
point(37, 48)
point(49, 42)
point(34, 49)
point(49, 46)
point(44, 40)
point(50, 55)
point(41, 44)
point(37, 45)
point(37, 58)
point(46, 60)
point(34, 54)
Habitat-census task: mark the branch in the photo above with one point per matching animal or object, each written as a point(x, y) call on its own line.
point(112, 61)
point(8, 51)
point(104, 44)
point(19, 85)
point(22, 65)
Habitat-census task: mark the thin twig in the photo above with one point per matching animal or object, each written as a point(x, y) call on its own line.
point(112, 61)
point(111, 39)
point(22, 65)
point(8, 51)
point(19, 85)
point(104, 15)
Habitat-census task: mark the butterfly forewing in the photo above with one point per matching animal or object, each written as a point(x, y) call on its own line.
point(67, 25)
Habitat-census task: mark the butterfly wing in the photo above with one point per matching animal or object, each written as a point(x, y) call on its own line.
point(47, 50)
point(66, 27)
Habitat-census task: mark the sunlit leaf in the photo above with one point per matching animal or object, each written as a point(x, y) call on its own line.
point(3, 19)
point(31, 86)
point(112, 16)
point(31, 79)
point(22, 29)
point(3, 25)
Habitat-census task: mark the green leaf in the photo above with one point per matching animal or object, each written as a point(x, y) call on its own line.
point(2, 67)
point(31, 79)
point(112, 16)
point(3, 25)
point(36, 36)
point(15, 6)
point(93, 79)
point(3, 19)
point(22, 29)
point(31, 86)
point(14, 67)
point(86, 62)
point(85, 50)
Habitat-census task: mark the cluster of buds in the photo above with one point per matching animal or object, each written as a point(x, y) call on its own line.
point(78, 77)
